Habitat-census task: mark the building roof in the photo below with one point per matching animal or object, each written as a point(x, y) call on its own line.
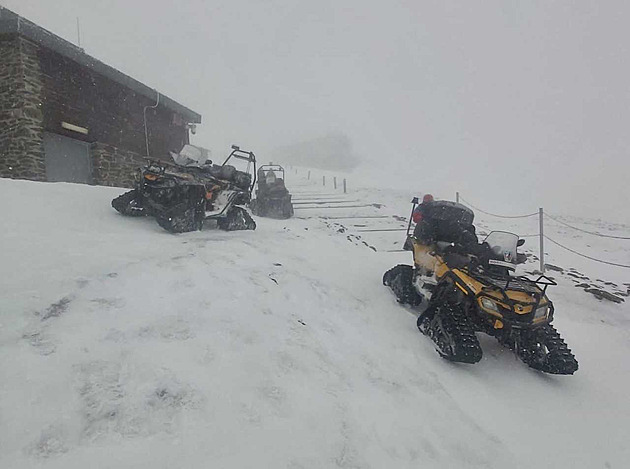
point(12, 23)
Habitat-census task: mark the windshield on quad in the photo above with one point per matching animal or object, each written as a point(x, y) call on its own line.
point(503, 244)
point(191, 155)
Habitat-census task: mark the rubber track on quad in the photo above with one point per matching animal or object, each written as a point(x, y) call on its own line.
point(280, 209)
point(453, 334)
point(558, 360)
point(400, 280)
point(125, 204)
point(237, 219)
point(180, 221)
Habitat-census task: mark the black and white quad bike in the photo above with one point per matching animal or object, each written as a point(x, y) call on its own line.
point(183, 194)
point(273, 199)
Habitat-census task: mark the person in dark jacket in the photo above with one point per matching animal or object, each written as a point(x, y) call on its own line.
point(425, 228)
point(422, 208)
point(445, 221)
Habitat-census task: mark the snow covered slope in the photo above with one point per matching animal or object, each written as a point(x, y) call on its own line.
point(124, 346)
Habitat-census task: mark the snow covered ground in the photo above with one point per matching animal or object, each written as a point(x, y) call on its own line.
point(124, 346)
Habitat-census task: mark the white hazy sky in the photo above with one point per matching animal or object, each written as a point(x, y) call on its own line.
point(515, 103)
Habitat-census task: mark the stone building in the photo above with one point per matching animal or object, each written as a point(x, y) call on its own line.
point(65, 116)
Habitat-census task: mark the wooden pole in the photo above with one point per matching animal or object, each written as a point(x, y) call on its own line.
point(457, 197)
point(324, 180)
point(335, 182)
point(345, 190)
point(309, 175)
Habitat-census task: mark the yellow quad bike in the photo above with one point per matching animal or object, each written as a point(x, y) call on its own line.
point(469, 293)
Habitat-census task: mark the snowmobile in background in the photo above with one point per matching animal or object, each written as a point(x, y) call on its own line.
point(183, 194)
point(273, 200)
point(469, 293)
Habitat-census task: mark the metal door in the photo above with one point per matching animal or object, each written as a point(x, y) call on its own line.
point(67, 159)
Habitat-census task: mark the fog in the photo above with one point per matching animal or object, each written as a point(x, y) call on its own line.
point(515, 104)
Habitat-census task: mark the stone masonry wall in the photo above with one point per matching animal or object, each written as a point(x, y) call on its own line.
point(114, 166)
point(21, 118)
point(39, 89)
point(9, 102)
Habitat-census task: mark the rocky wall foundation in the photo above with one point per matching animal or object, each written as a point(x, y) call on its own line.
point(21, 117)
point(112, 166)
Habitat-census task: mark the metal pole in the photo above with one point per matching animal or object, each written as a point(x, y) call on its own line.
point(335, 182)
point(457, 197)
point(345, 190)
point(144, 112)
point(414, 202)
point(78, 32)
point(324, 180)
point(542, 237)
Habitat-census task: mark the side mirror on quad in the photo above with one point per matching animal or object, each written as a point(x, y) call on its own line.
point(520, 242)
point(414, 201)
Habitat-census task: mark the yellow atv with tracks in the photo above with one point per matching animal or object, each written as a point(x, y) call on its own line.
point(474, 289)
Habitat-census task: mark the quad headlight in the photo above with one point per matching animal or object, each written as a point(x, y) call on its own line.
point(490, 305)
point(541, 312)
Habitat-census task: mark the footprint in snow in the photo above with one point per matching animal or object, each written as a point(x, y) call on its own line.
point(169, 329)
point(285, 363)
point(117, 401)
point(276, 398)
point(51, 442)
point(108, 302)
point(40, 341)
point(56, 309)
point(115, 335)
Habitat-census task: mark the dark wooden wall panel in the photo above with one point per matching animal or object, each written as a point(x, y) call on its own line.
point(113, 114)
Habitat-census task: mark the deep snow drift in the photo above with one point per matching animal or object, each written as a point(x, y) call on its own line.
point(125, 346)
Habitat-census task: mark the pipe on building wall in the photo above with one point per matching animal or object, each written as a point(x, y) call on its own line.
point(144, 112)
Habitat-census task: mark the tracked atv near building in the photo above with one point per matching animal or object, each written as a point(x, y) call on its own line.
point(466, 293)
point(183, 194)
point(273, 199)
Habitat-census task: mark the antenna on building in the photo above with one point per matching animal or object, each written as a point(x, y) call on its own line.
point(78, 32)
point(144, 112)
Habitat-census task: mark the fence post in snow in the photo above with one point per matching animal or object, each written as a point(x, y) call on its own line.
point(542, 244)
point(457, 197)
point(345, 191)
point(335, 182)
point(309, 175)
point(324, 180)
